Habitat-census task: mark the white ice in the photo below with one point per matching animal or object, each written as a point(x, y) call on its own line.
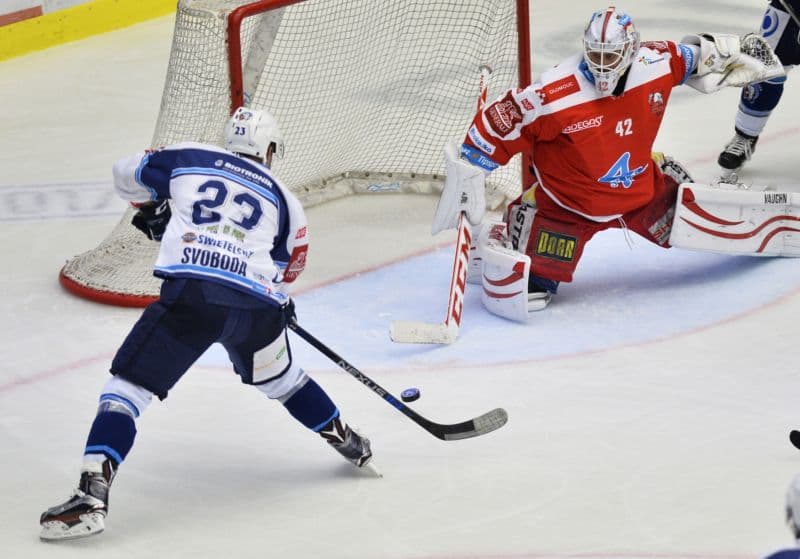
point(649, 405)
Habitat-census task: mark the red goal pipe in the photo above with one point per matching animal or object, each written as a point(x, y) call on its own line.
point(524, 61)
point(235, 19)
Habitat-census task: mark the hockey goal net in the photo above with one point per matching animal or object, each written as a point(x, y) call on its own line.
point(366, 92)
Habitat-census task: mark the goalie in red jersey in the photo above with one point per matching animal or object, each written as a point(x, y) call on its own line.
point(588, 125)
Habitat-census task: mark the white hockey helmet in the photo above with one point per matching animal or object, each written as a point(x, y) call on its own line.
point(251, 132)
point(610, 42)
point(793, 507)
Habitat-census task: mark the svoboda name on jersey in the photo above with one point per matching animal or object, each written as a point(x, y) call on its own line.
point(213, 259)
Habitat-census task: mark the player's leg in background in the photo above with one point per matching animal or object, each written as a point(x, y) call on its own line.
point(260, 352)
point(781, 30)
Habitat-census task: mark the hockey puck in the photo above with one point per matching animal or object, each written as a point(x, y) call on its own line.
point(409, 394)
point(794, 436)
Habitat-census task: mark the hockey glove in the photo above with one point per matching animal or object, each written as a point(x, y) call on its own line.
point(152, 219)
point(728, 60)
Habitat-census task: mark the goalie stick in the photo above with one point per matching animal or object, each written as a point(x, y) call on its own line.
point(475, 427)
point(416, 332)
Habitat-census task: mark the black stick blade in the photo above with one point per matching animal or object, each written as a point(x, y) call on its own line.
point(794, 436)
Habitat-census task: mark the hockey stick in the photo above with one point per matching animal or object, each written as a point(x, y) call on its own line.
point(475, 427)
point(415, 332)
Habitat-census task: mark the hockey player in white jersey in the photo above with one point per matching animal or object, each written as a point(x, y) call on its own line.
point(780, 27)
point(232, 236)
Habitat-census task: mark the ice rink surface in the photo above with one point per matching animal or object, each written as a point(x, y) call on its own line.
point(649, 404)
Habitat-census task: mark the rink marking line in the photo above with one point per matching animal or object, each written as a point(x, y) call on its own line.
point(56, 371)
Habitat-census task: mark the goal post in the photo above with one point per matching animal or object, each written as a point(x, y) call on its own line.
point(366, 92)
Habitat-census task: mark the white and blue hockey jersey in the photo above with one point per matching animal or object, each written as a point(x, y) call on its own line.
point(232, 221)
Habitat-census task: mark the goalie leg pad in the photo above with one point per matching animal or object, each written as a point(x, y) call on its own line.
point(730, 220)
point(505, 282)
point(482, 234)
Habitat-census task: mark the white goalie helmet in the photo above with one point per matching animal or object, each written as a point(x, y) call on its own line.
point(251, 132)
point(610, 42)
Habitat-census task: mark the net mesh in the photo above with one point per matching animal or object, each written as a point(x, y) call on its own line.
point(366, 93)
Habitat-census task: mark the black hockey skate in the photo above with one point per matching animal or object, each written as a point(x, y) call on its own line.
point(738, 151)
point(85, 512)
point(355, 448)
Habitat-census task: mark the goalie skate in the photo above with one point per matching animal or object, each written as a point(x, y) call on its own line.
point(84, 513)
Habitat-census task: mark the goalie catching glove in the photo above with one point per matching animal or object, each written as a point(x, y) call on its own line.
point(727, 60)
point(464, 191)
point(152, 218)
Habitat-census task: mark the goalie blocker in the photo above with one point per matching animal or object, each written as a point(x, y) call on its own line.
point(728, 219)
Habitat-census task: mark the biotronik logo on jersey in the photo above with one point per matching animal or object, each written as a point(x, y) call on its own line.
point(257, 177)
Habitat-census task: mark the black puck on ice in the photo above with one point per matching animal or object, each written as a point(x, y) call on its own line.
point(409, 394)
point(794, 436)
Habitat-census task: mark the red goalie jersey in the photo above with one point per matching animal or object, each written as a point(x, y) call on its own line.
point(591, 153)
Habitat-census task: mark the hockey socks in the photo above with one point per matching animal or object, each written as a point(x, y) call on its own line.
point(311, 406)
point(112, 435)
point(756, 104)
